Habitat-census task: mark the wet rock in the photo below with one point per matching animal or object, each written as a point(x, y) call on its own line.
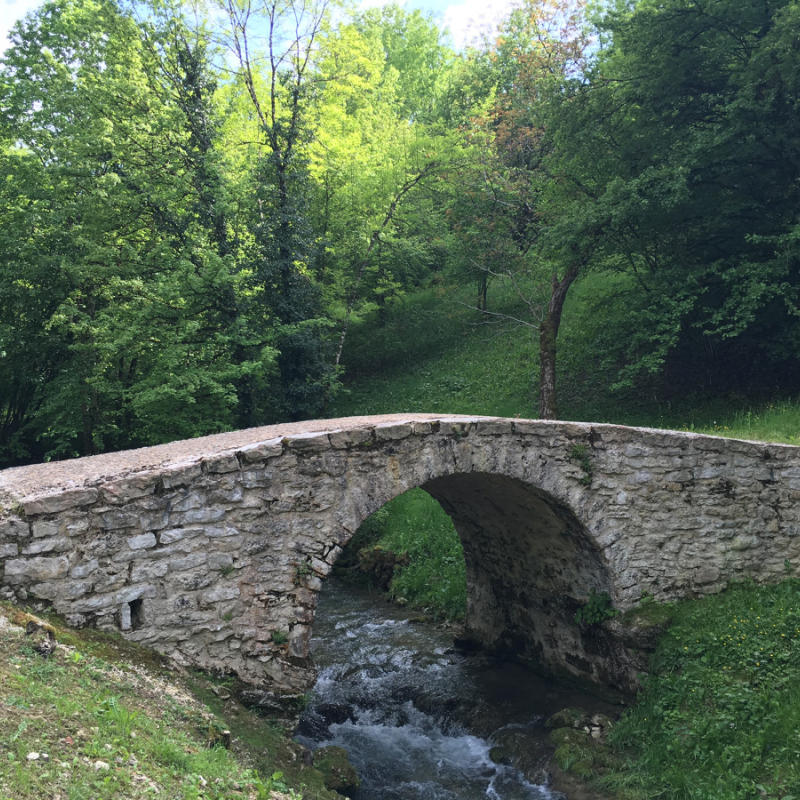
point(523, 747)
point(334, 713)
point(568, 718)
point(381, 563)
point(501, 755)
point(338, 773)
point(315, 723)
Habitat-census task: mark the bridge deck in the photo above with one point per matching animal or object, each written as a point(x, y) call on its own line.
point(72, 473)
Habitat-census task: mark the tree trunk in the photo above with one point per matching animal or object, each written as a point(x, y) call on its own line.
point(548, 333)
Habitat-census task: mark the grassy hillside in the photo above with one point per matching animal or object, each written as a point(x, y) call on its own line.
point(101, 718)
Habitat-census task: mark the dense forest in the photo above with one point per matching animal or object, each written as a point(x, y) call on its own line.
point(200, 206)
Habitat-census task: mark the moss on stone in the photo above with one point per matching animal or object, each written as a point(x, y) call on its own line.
point(339, 774)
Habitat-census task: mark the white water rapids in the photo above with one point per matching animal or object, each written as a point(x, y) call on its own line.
point(403, 704)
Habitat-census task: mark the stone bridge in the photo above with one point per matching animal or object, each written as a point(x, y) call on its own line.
point(213, 550)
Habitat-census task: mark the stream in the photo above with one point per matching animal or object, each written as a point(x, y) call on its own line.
point(417, 718)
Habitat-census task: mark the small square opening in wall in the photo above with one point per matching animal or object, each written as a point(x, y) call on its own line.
point(131, 615)
point(137, 613)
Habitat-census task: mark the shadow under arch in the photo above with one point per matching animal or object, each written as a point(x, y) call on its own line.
point(530, 566)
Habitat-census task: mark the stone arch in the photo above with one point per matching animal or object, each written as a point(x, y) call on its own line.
point(531, 564)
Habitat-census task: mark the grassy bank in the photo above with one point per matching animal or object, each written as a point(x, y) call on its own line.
point(429, 569)
point(719, 716)
point(101, 718)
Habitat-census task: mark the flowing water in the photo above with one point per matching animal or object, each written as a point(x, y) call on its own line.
point(418, 719)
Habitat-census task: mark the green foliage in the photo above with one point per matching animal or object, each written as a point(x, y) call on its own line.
point(415, 525)
point(280, 637)
point(580, 453)
point(598, 607)
point(719, 713)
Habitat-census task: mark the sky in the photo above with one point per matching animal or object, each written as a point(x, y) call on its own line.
point(462, 17)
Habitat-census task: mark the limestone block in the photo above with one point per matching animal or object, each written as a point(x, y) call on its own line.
point(455, 429)
point(261, 451)
point(181, 475)
point(220, 532)
point(706, 574)
point(53, 503)
point(196, 515)
point(130, 593)
point(127, 489)
point(221, 592)
point(220, 561)
point(256, 478)
point(94, 603)
point(59, 544)
point(188, 562)
point(118, 519)
point(494, 427)
point(75, 526)
point(109, 582)
point(299, 640)
point(188, 501)
point(225, 462)
point(84, 569)
point(62, 590)
point(154, 520)
point(36, 570)
point(314, 442)
point(142, 542)
point(177, 534)
point(14, 529)
point(357, 437)
point(392, 431)
point(45, 528)
point(744, 542)
point(149, 571)
point(229, 496)
point(9, 550)
point(322, 568)
point(193, 580)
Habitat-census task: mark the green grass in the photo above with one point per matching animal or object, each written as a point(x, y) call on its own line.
point(415, 525)
point(106, 726)
point(434, 354)
point(719, 717)
point(778, 421)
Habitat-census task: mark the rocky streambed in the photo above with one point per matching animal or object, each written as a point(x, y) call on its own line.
point(399, 714)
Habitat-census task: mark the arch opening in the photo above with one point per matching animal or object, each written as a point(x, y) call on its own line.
point(530, 566)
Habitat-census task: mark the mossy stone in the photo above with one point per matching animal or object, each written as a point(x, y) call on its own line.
point(338, 773)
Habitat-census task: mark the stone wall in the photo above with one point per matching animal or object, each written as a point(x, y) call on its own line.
point(215, 556)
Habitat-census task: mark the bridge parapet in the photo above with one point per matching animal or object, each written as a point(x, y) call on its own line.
point(213, 550)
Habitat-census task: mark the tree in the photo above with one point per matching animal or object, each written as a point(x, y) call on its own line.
point(513, 214)
point(125, 287)
point(275, 45)
point(373, 161)
point(684, 150)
